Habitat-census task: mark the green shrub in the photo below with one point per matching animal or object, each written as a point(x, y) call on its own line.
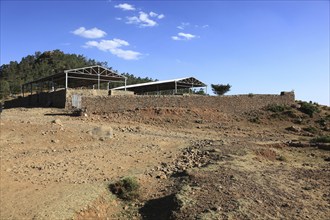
point(126, 188)
point(276, 108)
point(310, 129)
point(291, 114)
point(255, 119)
point(321, 139)
point(323, 121)
point(220, 89)
point(308, 108)
point(282, 158)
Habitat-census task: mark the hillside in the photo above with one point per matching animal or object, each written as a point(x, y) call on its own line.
point(189, 163)
point(39, 65)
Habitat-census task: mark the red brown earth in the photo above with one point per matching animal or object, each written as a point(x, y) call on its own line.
point(190, 163)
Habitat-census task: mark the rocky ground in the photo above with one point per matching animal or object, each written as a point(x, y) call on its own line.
point(190, 164)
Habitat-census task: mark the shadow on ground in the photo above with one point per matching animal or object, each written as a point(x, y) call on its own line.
point(160, 208)
point(60, 114)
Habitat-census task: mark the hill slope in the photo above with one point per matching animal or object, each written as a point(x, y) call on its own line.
point(190, 163)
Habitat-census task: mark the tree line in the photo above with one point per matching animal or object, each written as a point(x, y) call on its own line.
point(32, 67)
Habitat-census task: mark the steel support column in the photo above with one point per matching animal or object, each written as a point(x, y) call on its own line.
point(98, 81)
point(66, 80)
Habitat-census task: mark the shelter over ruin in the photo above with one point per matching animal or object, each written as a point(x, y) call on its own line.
point(75, 78)
point(173, 86)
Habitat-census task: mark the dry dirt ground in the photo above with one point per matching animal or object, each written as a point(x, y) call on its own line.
point(190, 164)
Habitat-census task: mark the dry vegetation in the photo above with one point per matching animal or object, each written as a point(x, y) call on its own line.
point(166, 163)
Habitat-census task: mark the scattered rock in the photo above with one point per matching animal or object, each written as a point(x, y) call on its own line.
point(199, 121)
point(198, 155)
point(102, 133)
point(296, 105)
point(57, 121)
point(298, 144)
point(294, 129)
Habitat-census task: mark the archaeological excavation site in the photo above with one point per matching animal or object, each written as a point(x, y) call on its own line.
point(82, 144)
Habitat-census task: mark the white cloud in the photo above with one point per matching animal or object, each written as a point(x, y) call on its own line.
point(175, 38)
point(183, 36)
point(126, 54)
point(161, 16)
point(153, 14)
point(118, 18)
point(114, 46)
point(132, 20)
point(125, 7)
point(143, 20)
point(91, 33)
point(187, 36)
point(146, 21)
point(183, 25)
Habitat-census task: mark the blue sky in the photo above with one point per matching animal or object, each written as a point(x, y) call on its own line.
point(259, 47)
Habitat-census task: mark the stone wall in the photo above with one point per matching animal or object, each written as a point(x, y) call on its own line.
point(120, 92)
point(44, 99)
point(235, 103)
point(83, 93)
point(99, 101)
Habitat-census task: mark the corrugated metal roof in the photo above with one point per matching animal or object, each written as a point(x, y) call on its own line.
point(194, 83)
point(82, 76)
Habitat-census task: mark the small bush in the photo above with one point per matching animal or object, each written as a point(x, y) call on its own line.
point(298, 121)
point(126, 188)
point(310, 129)
point(291, 114)
point(282, 158)
point(255, 119)
point(321, 139)
point(250, 95)
point(322, 121)
point(277, 108)
point(276, 116)
point(308, 108)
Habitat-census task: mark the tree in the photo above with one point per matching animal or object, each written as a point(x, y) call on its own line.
point(198, 92)
point(4, 89)
point(220, 89)
point(39, 65)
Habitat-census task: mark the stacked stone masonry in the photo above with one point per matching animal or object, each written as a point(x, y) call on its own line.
point(83, 93)
point(236, 103)
point(100, 102)
point(42, 99)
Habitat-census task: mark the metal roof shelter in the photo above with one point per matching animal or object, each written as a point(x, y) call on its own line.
point(174, 84)
point(79, 77)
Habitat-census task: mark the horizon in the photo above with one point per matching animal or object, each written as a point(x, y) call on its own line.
point(256, 47)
